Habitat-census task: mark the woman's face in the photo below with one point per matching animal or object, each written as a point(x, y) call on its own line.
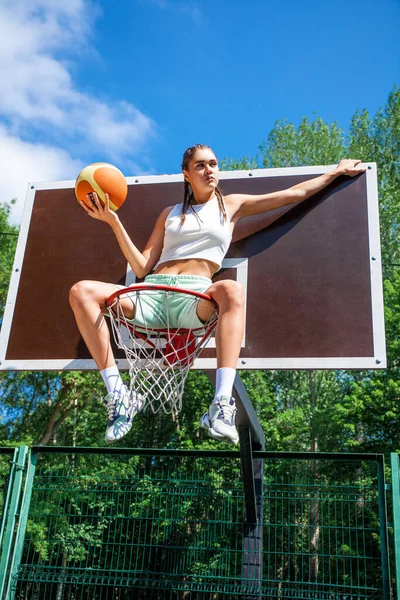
point(203, 171)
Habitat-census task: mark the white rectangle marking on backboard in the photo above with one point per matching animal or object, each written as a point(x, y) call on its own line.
point(241, 266)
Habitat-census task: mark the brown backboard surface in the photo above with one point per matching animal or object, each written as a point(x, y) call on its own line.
point(312, 278)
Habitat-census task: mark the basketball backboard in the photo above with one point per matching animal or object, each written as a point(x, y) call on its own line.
point(312, 278)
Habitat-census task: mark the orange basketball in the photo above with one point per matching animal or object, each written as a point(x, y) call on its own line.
point(102, 178)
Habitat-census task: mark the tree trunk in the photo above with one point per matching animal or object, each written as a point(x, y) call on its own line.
point(65, 404)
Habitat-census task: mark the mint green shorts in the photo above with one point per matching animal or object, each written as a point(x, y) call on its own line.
point(158, 309)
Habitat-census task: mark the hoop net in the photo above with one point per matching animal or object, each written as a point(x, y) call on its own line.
point(159, 357)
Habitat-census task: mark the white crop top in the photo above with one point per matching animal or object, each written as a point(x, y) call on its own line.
point(207, 237)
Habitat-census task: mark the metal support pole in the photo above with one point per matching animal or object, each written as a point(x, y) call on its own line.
point(251, 438)
point(246, 415)
point(246, 455)
point(15, 481)
point(21, 529)
point(252, 561)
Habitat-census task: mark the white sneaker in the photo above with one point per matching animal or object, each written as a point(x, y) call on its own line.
point(220, 420)
point(121, 409)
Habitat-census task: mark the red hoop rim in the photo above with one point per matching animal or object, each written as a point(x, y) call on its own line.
point(161, 288)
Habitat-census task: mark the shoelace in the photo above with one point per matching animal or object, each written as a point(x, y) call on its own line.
point(110, 408)
point(227, 411)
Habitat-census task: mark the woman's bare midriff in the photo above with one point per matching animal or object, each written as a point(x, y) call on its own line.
point(192, 266)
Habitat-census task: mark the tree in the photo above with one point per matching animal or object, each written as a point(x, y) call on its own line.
point(378, 139)
point(8, 242)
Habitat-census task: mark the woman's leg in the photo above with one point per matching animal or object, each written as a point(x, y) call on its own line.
point(88, 302)
point(220, 419)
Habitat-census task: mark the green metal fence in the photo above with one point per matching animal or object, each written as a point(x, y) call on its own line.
point(7, 460)
point(118, 524)
point(12, 466)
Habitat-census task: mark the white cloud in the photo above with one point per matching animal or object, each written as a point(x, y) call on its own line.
point(40, 100)
point(45, 24)
point(26, 162)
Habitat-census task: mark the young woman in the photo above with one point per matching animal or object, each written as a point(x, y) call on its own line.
point(185, 249)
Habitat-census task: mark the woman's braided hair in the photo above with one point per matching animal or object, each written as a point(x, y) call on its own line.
point(188, 198)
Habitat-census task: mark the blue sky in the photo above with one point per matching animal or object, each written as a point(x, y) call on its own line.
point(134, 82)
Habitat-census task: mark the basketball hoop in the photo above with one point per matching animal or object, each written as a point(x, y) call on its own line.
point(160, 356)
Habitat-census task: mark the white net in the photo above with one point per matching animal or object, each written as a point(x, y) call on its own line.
point(160, 354)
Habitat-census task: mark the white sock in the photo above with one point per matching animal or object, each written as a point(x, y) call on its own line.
point(224, 382)
point(112, 379)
